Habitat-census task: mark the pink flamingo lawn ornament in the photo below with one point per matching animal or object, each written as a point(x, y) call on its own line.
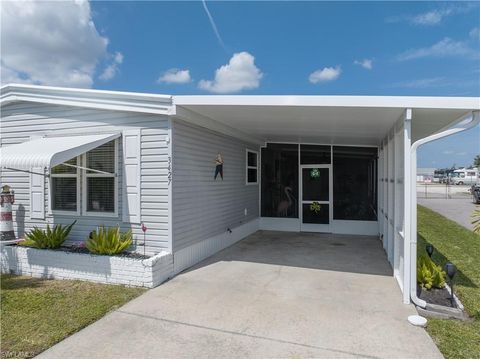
point(283, 206)
point(144, 230)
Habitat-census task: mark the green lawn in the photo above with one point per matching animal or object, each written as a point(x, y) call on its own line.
point(453, 243)
point(38, 313)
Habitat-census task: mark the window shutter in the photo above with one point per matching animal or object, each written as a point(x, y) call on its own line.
point(131, 176)
point(37, 193)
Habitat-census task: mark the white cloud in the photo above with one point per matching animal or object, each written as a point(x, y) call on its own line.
point(325, 74)
point(435, 16)
point(118, 57)
point(365, 63)
point(456, 85)
point(475, 33)
point(51, 43)
point(239, 74)
point(422, 83)
point(454, 153)
point(444, 48)
point(175, 76)
point(112, 69)
point(430, 18)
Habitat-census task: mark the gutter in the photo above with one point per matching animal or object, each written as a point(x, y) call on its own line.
point(464, 123)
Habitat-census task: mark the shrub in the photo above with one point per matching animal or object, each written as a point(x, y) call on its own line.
point(106, 240)
point(476, 220)
point(49, 238)
point(430, 275)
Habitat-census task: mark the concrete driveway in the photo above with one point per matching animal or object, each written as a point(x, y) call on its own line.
point(457, 209)
point(272, 295)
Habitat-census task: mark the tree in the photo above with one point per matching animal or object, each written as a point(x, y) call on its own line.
point(476, 161)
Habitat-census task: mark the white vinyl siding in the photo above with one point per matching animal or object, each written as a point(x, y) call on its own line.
point(204, 207)
point(21, 120)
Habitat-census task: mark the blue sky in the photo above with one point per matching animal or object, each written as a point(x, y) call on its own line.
point(314, 48)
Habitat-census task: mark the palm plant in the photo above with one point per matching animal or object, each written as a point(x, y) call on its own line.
point(476, 220)
point(49, 238)
point(108, 240)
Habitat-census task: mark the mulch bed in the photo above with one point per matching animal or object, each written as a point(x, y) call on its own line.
point(435, 296)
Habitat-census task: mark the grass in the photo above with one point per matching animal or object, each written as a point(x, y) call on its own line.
point(38, 313)
point(456, 244)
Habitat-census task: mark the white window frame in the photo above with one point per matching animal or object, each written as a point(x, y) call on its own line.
point(85, 175)
point(247, 167)
point(51, 189)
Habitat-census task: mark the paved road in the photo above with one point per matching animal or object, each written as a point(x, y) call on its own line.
point(456, 209)
point(272, 295)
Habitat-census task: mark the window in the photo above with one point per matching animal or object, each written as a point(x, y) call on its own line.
point(64, 187)
point(252, 167)
point(100, 180)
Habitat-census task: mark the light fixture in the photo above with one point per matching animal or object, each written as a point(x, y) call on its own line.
point(451, 270)
point(429, 249)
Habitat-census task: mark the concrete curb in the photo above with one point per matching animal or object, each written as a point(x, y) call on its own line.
point(443, 312)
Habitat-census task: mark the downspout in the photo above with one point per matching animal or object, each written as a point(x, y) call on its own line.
point(462, 124)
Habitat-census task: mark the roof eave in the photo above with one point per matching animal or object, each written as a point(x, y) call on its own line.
point(87, 98)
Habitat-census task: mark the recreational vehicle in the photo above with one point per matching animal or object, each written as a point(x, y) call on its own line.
point(463, 176)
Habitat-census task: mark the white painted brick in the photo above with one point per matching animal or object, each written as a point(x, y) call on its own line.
point(101, 269)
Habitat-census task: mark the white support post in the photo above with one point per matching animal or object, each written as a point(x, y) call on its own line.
point(407, 139)
point(396, 203)
point(391, 194)
point(380, 190)
point(385, 193)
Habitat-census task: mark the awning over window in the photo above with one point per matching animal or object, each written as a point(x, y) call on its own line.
point(50, 151)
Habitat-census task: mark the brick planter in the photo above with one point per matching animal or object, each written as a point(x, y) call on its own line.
point(44, 263)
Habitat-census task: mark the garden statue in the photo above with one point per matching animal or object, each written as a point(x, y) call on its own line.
point(7, 198)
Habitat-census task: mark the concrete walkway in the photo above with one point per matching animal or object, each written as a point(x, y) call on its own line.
point(272, 295)
point(455, 209)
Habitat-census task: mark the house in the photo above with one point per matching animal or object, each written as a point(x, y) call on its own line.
point(202, 172)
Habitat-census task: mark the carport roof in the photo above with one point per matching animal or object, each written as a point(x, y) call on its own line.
point(362, 120)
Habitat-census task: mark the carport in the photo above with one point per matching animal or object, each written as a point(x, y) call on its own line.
point(376, 137)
